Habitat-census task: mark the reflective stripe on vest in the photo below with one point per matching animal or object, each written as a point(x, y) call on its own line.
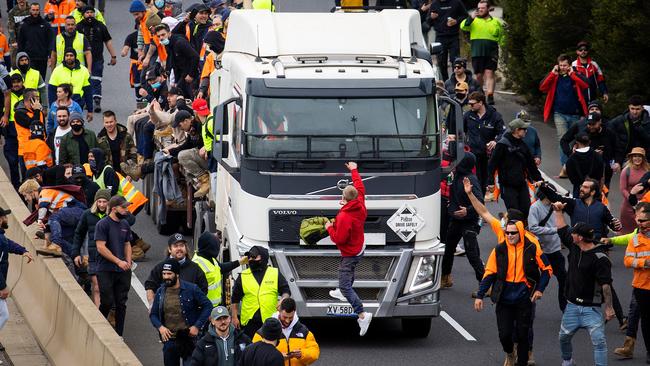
point(213, 275)
point(130, 193)
point(56, 199)
point(31, 78)
point(77, 44)
point(262, 297)
point(14, 100)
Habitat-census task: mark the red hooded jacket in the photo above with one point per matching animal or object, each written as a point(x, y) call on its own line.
point(548, 86)
point(347, 231)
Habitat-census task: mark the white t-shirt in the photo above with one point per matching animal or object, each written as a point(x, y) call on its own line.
point(58, 135)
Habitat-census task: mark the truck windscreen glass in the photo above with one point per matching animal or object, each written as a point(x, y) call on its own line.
point(334, 128)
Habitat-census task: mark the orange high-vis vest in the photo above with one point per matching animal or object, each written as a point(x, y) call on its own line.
point(61, 11)
point(162, 51)
point(54, 198)
point(636, 255)
point(131, 194)
point(146, 35)
point(24, 134)
point(37, 153)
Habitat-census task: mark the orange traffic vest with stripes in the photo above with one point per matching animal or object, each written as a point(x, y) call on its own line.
point(162, 51)
point(37, 153)
point(54, 198)
point(636, 255)
point(146, 35)
point(126, 189)
point(132, 72)
point(24, 134)
point(60, 10)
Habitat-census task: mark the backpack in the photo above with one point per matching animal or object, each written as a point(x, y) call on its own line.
point(312, 229)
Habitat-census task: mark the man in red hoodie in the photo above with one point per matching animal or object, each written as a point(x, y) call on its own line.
point(347, 233)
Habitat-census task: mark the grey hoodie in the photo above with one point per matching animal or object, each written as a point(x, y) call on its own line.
point(547, 234)
point(225, 346)
point(42, 87)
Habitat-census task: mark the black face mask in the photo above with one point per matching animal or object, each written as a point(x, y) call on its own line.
point(120, 216)
point(5, 225)
point(255, 265)
point(93, 165)
point(77, 128)
point(23, 68)
point(460, 96)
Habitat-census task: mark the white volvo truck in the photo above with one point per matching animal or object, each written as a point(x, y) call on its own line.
point(297, 96)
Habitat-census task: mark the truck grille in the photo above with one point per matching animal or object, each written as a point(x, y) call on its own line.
point(326, 268)
point(322, 294)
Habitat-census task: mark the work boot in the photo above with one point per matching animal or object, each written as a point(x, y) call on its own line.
point(510, 359)
point(563, 174)
point(531, 359)
point(142, 245)
point(204, 186)
point(98, 104)
point(627, 351)
point(50, 250)
point(132, 170)
point(137, 254)
point(446, 281)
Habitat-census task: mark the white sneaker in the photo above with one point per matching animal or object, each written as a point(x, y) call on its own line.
point(364, 323)
point(459, 252)
point(568, 362)
point(337, 295)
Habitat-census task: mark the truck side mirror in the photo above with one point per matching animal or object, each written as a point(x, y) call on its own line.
point(221, 121)
point(459, 144)
point(436, 48)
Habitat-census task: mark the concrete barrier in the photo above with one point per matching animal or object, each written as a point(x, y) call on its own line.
point(66, 323)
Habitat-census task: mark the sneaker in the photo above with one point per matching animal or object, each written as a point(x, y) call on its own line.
point(459, 252)
point(364, 323)
point(568, 362)
point(337, 295)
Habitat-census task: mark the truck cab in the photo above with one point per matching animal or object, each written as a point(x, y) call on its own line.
point(298, 95)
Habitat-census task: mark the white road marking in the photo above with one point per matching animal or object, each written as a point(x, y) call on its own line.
point(459, 328)
point(560, 190)
point(139, 289)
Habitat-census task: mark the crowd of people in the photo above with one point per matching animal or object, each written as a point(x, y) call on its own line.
point(79, 185)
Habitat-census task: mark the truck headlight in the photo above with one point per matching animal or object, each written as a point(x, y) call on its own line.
point(424, 271)
point(424, 299)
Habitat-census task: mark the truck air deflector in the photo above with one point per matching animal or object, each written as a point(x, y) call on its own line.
point(336, 88)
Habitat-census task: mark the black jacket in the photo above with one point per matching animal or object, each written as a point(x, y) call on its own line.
point(458, 197)
point(447, 9)
point(7, 246)
point(197, 34)
point(584, 164)
point(182, 58)
point(588, 272)
point(35, 38)
point(514, 162)
point(193, 140)
point(97, 34)
point(261, 354)
point(639, 135)
point(480, 131)
point(206, 352)
point(603, 140)
point(190, 272)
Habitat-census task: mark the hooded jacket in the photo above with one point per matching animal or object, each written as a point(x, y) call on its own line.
point(347, 231)
point(64, 74)
point(212, 350)
point(458, 197)
point(35, 38)
point(41, 86)
point(86, 226)
point(584, 164)
point(296, 337)
point(447, 9)
point(594, 75)
point(450, 84)
point(630, 134)
point(602, 140)
point(209, 247)
point(514, 162)
point(111, 180)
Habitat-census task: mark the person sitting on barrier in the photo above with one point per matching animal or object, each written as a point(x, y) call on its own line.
point(179, 311)
point(7, 246)
point(189, 271)
point(49, 200)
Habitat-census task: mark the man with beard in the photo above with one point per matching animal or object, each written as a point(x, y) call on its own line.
point(189, 271)
point(62, 129)
point(76, 145)
point(179, 311)
point(206, 257)
point(32, 78)
point(73, 73)
point(223, 344)
point(7, 246)
point(71, 38)
point(257, 288)
point(113, 240)
point(35, 38)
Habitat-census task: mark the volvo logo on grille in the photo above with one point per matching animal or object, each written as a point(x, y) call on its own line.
point(342, 184)
point(285, 212)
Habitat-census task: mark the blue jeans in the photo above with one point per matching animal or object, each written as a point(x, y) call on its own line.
point(562, 124)
point(96, 74)
point(633, 318)
point(346, 279)
point(590, 318)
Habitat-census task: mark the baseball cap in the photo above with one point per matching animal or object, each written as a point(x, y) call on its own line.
point(171, 265)
point(593, 117)
point(584, 44)
point(462, 86)
point(518, 123)
point(219, 312)
point(584, 230)
point(176, 238)
point(200, 106)
point(4, 212)
point(151, 74)
point(79, 170)
point(117, 201)
point(180, 116)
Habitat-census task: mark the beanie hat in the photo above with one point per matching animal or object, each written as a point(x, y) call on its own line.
point(76, 116)
point(271, 330)
point(87, 8)
point(103, 193)
point(70, 50)
point(137, 6)
point(171, 265)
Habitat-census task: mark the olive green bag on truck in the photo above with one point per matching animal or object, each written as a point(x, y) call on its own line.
point(312, 229)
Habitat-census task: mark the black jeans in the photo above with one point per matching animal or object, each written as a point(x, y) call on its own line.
point(444, 219)
point(171, 356)
point(643, 300)
point(513, 320)
point(557, 262)
point(516, 197)
point(450, 50)
point(482, 169)
point(468, 231)
point(114, 291)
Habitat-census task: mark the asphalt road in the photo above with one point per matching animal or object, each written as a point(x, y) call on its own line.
point(385, 344)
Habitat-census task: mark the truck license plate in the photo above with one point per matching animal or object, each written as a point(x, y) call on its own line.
point(340, 310)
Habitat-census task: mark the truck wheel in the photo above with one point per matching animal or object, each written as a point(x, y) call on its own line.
point(416, 327)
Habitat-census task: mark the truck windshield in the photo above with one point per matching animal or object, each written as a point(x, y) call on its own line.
point(333, 128)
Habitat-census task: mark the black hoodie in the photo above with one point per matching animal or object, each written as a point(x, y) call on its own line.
point(514, 162)
point(458, 197)
point(35, 38)
point(209, 248)
point(584, 164)
point(110, 177)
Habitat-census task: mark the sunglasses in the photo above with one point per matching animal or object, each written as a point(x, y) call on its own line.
point(459, 67)
point(471, 104)
point(583, 50)
point(512, 232)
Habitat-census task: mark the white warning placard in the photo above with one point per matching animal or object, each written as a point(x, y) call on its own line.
point(405, 222)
